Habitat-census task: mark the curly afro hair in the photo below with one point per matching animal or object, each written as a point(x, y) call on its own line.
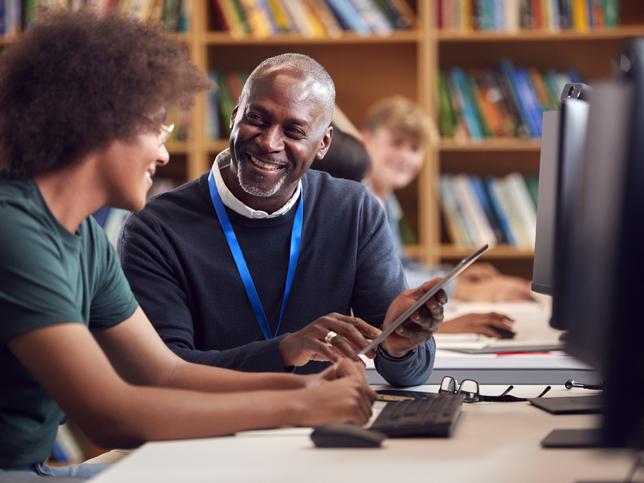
point(75, 83)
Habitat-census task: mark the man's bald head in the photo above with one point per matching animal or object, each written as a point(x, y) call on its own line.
point(309, 70)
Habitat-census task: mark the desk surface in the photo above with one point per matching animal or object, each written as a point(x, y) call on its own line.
point(494, 442)
point(531, 324)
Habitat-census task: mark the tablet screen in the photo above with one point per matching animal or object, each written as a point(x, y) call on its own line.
point(457, 270)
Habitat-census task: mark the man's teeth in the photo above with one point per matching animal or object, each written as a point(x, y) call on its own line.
point(264, 165)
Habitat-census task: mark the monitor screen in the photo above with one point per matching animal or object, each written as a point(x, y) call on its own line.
point(546, 204)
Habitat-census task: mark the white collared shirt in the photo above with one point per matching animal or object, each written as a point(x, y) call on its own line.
point(232, 202)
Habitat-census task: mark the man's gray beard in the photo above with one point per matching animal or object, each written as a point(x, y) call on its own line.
point(255, 191)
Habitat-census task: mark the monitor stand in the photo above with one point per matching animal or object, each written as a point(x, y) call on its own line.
point(573, 438)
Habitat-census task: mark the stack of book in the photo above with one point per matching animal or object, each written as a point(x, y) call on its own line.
point(506, 101)
point(17, 15)
point(491, 210)
point(515, 15)
point(311, 18)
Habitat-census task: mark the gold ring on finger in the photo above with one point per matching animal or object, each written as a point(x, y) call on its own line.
point(328, 338)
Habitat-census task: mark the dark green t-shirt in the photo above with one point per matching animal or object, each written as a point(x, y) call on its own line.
point(47, 276)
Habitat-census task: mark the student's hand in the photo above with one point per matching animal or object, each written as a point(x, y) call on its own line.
point(478, 324)
point(500, 288)
point(479, 271)
point(309, 344)
point(421, 324)
point(338, 394)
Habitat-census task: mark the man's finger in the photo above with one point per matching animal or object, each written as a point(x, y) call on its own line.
point(324, 351)
point(344, 348)
point(365, 328)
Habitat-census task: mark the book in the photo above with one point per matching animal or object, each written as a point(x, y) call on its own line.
point(527, 214)
point(348, 16)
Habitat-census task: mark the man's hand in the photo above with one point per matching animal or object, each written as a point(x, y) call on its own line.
point(309, 344)
point(499, 288)
point(421, 324)
point(478, 323)
point(338, 394)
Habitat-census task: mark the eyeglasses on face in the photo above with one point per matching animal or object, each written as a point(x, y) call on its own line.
point(469, 388)
point(164, 133)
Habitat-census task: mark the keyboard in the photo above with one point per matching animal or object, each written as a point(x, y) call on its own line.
point(420, 417)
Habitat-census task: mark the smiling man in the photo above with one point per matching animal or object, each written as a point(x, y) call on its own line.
point(258, 264)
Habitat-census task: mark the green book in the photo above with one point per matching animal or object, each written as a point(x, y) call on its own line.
point(406, 233)
point(226, 103)
point(447, 118)
point(532, 182)
point(611, 13)
point(476, 104)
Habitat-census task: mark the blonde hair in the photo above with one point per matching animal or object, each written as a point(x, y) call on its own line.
point(400, 114)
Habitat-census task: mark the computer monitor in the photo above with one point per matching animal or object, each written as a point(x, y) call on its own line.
point(546, 204)
point(599, 288)
point(562, 144)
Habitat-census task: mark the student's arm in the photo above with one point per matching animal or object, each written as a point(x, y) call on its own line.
point(140, 357)
point(69, 363)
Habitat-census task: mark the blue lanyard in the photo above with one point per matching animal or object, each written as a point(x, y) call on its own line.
point(240, 261)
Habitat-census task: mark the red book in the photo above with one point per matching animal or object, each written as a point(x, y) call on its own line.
point(537, 14)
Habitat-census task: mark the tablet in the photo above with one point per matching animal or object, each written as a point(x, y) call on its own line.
point(462, 265)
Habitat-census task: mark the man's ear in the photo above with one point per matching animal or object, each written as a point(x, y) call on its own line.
point(325, 144)
point(232, 117)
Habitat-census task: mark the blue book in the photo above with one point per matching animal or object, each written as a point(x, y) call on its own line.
point(496, 203)
point(467, 103)
point(482, 197)
point(348, 16)
point(487, 14)
point(508, 70)
point(529, 97)
point(262, 5)
point(500, 22)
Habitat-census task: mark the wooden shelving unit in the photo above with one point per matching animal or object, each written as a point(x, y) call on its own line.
point(367, 68)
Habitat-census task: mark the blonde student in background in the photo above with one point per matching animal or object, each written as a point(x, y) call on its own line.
point(396, 134)
point(82, 125)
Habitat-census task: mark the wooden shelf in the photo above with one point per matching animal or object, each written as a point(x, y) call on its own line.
point(224, 38)
point(177, 147)
point(491, 144)
point(500, 251)
point(7, 40)
point(539, 35)
point(217, 145)
point(414, 251)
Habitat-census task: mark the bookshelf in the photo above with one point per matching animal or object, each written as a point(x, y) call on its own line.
point(406, 62)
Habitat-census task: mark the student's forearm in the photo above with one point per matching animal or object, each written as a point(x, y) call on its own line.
point(213, 379)
point(138, 414)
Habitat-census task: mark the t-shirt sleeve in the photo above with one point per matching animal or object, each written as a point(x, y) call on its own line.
point(35, 291)
point(113, 300)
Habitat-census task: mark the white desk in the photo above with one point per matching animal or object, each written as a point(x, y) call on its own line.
point(539, 368)
point(494, 442)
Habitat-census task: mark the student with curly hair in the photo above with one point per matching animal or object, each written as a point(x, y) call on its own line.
point(82, 125)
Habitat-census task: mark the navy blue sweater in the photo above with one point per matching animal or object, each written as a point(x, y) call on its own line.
point(181, 270)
